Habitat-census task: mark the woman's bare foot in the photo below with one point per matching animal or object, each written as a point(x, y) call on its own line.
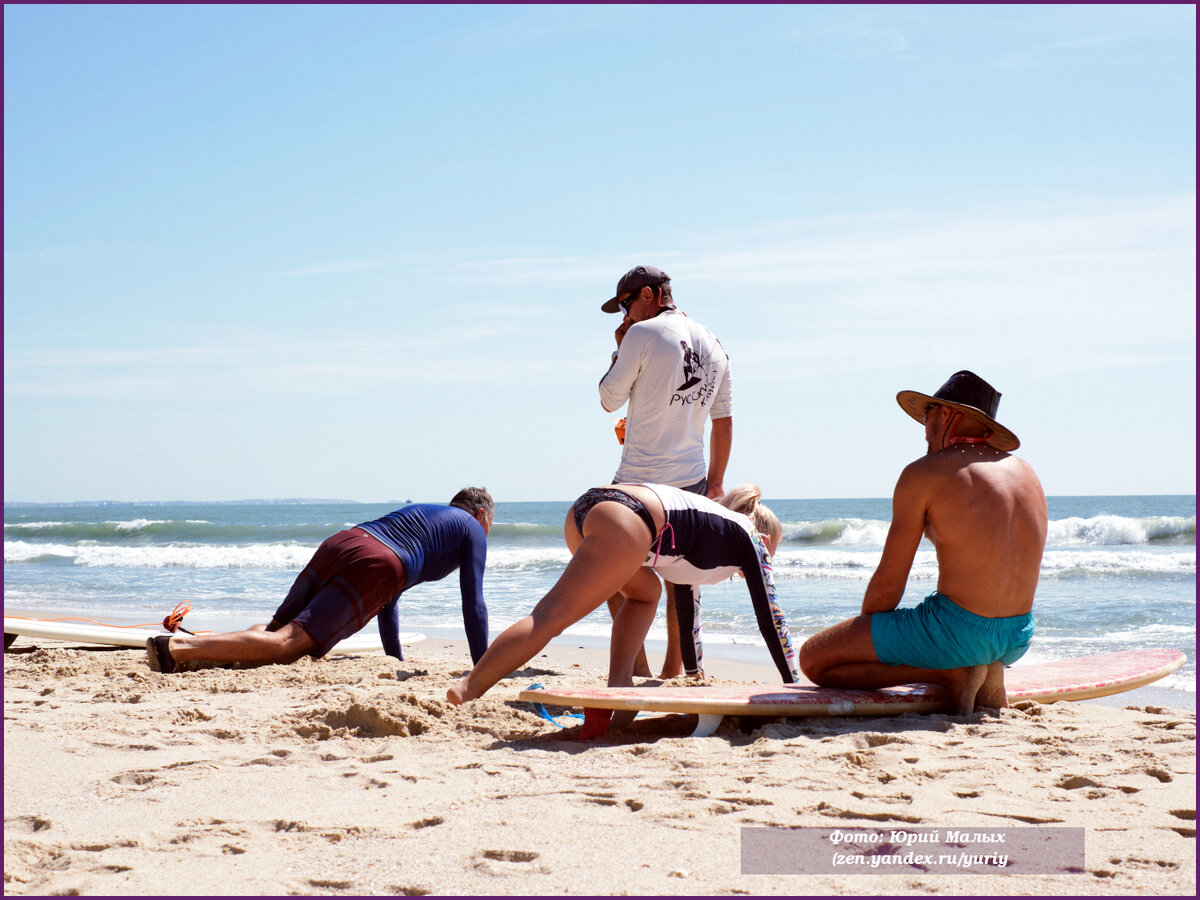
point(458, 694)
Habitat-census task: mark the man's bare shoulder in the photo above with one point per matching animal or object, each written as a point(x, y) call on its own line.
point(975, 467)
point(933, 465)
point(954, 462)
point(919, 483)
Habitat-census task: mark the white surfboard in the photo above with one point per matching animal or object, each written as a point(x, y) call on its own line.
point(115, 636)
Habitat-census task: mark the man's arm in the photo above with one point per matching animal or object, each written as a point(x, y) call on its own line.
point(617, 382)
point(720, 445)
point(908, 524)
point(470, 583)
point(388, 621)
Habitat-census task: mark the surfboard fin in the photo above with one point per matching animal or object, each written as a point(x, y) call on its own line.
point(595, 723)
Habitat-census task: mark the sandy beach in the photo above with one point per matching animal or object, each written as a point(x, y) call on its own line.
point(354, 776)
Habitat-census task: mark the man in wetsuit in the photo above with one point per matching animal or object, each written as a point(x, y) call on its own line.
point(675, 376)
point(354, 576)
point(985, 513)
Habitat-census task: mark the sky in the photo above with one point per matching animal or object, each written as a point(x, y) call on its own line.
point(359, 252)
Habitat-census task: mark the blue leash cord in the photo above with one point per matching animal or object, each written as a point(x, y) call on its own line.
point(541, 710)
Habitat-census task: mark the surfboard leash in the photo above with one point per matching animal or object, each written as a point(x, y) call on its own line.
point(174, 621)
point(541, 710)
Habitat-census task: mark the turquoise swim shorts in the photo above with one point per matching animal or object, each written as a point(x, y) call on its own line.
point(939, 634)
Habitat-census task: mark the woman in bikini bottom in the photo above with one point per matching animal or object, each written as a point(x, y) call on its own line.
point(615, 535)
point(584, 505)
point(609, 532)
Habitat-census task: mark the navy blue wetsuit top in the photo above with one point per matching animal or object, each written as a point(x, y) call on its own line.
point(432, 541)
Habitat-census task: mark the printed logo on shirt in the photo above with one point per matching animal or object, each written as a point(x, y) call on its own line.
point(692, 364)
point(695, 370)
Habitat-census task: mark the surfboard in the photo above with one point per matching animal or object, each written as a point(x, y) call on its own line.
point(1082, 678)
point(110, 635)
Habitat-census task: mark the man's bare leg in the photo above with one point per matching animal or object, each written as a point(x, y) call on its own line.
point(844, 656)
point(255, 645)
point(964, 685)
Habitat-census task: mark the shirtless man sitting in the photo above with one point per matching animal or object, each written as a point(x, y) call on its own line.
point(986, 515)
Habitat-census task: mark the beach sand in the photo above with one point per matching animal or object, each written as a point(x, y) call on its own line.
point(353, 776)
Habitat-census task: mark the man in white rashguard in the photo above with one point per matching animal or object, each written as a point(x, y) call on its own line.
point(675, 376)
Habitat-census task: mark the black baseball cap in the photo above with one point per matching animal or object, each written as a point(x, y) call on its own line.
point(634, 280)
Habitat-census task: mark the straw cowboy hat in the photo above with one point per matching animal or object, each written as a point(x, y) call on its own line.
point(969, 394)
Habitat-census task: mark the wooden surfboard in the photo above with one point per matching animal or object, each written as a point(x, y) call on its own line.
point(112, 635)
point(1067, 679)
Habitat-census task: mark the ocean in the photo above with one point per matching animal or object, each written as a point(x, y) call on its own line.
point(1118, 572)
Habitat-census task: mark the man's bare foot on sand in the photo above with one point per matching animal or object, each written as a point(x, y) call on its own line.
point(992, 693)
point(976, 687)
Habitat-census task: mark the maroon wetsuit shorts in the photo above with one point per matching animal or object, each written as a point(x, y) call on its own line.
point(350, 578)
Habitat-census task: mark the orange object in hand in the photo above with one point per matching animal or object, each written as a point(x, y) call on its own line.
point(620, 430)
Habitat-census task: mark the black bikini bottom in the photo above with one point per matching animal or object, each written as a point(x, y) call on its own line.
point(599, 495)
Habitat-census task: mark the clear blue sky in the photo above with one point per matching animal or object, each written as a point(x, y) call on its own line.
point(359, 251)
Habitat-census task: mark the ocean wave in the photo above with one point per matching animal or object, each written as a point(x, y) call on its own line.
point(1096, 531)
point(814, 563)
point(847, 533)
point(826, 564)
point(836, 532)
point(289, 555)
point(166, 531)
point(182, 531)
point(136, 524)
point(1123, 563)
point(535, 558)
point(861, 564)
point(1112, 531)
point(527, 529)
point(281, 555)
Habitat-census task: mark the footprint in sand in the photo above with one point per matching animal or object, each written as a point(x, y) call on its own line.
point(515, 856)
point(505, 863)
point(331, 884)
point(135, 780)
point(25, 824)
